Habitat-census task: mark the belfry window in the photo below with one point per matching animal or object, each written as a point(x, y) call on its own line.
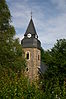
point(27, 55)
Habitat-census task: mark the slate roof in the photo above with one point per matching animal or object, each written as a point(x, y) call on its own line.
point(30, 28)
point(43, 67)
point(31, 42)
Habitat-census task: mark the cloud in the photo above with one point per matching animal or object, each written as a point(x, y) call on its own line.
point(59, 3)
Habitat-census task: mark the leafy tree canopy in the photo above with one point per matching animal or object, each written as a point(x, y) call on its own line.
point(54, 80)
point(10, 49)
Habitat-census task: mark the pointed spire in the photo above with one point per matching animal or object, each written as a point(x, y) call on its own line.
point(31, 27)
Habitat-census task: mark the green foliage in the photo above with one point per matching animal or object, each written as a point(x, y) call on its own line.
point(15, 87)
point(45, 56)
point(54, 80)
point(11, 54)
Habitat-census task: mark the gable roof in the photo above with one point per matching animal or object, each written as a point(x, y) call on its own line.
point(31, 28)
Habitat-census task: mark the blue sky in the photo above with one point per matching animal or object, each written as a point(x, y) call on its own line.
point(49, 18)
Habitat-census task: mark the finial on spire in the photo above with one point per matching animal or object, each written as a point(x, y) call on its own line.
point(31, 14)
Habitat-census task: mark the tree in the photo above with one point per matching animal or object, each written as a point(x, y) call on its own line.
point(45, 56)
point(54, 80)
point(12, 62)
point(10, 49)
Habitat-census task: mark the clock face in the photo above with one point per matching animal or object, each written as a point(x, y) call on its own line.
point(29, 35)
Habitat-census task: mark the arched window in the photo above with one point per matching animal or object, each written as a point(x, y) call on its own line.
point(26, 69)
point(27, 55)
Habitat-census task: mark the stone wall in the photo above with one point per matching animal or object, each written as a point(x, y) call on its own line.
point(33, 63)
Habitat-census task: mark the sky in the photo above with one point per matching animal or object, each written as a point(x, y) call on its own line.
point(49, 17)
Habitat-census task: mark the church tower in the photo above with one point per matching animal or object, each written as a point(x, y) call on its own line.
point(31, 46)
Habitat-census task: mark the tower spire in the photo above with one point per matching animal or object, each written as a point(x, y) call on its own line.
point(31, 14)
